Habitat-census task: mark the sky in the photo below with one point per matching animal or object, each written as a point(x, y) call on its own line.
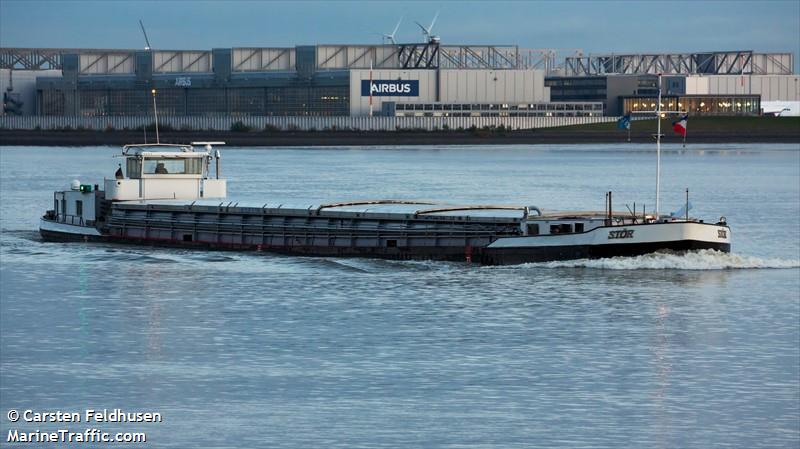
point(590, 26)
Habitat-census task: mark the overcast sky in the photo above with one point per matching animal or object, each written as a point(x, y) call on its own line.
point(592, 26)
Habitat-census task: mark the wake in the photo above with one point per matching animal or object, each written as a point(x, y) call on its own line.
point(694, 260)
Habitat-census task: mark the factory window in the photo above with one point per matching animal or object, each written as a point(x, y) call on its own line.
point(316, 101)
point(246, 101)
point(205, 102)
point(93, 102)
point(131, 102)
point(700, 105)
point(51, 102)
point(170, 102)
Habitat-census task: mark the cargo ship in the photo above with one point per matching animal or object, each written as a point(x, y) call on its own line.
point(167, 195)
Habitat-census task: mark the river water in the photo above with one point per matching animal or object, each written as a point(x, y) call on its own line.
point(258, 350)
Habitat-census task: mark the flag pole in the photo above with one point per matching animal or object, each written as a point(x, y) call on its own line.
point(658, 150)
point(370, 87)
point(684, 135)
point(629, 130)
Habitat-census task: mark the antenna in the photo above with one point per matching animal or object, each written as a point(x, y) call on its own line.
point(147, 41)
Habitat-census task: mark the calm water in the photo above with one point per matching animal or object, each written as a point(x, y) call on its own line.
point(270, 351)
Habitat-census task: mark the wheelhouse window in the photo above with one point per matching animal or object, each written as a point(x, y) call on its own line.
point(134, 168)
point(193, 166)
point(561, 228)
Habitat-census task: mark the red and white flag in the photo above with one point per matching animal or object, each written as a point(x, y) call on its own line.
point(680, 125)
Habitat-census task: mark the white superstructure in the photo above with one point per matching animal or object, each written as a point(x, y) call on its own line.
point(161, 171)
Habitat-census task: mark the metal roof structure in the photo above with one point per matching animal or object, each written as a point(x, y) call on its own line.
point(94, 61)
point(740, 62)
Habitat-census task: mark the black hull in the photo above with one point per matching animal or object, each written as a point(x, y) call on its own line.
point(485, 256)
point(513, 256)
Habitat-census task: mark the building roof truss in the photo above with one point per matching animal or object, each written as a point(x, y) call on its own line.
point(253, 52)
point(333, 55)
point(194, 61)
point(178, 56)
point(770, 58)
point(163, 64)
point(454, 60)
point(275, 59)
point(723, 63)
point(368, 51)
point(122, 61)
point(392, 55)
point(545, 59)
point(94, 62)
point(476, 57)
point(499, 58)
point(412, 56)
point(30, 58)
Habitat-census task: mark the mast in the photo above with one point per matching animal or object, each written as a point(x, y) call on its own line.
point(658, 150)
point(370, 86)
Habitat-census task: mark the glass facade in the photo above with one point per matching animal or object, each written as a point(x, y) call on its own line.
point(310, 100)
point(698, 104)
point(51, 102)
point(125, 102)
point(554, 109)
point(585, 88)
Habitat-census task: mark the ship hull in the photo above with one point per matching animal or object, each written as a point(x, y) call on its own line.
point(514, 256)
point(595, 244)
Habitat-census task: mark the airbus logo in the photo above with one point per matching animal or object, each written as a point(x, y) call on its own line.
point(404, 88)
point(390, 88)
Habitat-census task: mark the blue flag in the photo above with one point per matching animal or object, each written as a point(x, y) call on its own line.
point(624, 122)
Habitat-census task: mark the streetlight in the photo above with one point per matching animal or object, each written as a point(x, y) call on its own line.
point(155, 112)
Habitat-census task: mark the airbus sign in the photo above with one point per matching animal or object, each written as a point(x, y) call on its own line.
point(390, 88)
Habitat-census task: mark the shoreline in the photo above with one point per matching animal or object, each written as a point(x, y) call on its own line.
point(374, 138)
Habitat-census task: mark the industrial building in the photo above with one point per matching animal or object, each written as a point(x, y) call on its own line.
point(712, 83)
point(320, 80)
point(396, 80)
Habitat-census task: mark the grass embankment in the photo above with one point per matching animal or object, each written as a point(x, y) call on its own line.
point(699, 126)
point(700, 130)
